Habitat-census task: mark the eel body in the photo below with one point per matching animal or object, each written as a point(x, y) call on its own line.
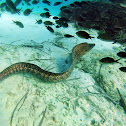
point(46, 76)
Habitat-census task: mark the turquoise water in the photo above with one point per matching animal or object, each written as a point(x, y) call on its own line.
point(88, 97)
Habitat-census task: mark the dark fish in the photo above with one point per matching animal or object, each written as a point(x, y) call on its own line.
point(42, 14)
point(68, 36)
point(17, 2)
point(19, 24)
point(105, 37)
point(63, 7)
point(65, 0)
point(58, 26)
point(28, 4)
point(46, 2)
point(67, 11)
point(122, 102)
point(2, 5)
point(96, 27)
point(2, 9)
point(48, 23)
point(80, 24)
point(46, 14)
point(46, 9)
point(123, 69)
point(59, 22)
point(80, 18)
point(64, 24)
point(118, 1)
point(84, 3)
point(7, 9)
point(121, 54)
point(57, 3)
point(55, 17)
point(27, 1)
point(35, 1)
point(78, 4)
point(64, 19)
point(50, 29)
point(108, 60)
point(83, 34)
point(38, 21)
point(11, 5)
point(27, 12)
point(72, 5)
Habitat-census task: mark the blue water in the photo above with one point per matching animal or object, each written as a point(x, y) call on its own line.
point(38, 8)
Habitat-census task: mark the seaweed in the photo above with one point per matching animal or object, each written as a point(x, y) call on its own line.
point(23, 98)
point(41, 121)
point(122, 102)
point(97, 109)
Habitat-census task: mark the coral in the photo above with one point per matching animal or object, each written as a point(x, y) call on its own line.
point(108, 18)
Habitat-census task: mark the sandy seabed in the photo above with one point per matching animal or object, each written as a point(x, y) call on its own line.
point(80, 100)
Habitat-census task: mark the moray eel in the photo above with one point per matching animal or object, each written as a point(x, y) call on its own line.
point(44, 75)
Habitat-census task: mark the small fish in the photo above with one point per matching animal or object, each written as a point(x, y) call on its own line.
point(64, 24)
point(2, 5)
point(46, 2)
point(118, 1)
point(46, 9)
point(64, 19)
point(121, 54)
point(35, 1)
point(11, 5)
point(122, 103)
point(108, 60)
point(63, 7)
point(83, 34)
point(58, 26)
point(27, 1)
point(68, 36)
point(80, 19)
point(78, 4)
point(50, 29)
point(123, 69)
point(48, 23)
point(57, 3)
point(72, 5)
point(28, 4)
point(7, 9)
point(55, 17)
point(19, 24)
point(59, 22)
point(38, 21)
point(17, 2)
point(105, 37)
point(46, 14)
point(27, 12)
point(67, 11)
